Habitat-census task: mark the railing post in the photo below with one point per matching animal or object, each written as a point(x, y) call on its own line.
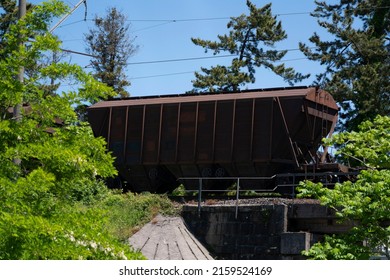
point(199, 196)
point(237, 196)
point(293, 187)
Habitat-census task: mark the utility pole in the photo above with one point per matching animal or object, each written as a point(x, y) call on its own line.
point(17, 109)
point(17, 116)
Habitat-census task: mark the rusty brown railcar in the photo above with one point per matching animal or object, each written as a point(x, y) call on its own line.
point(253, 133)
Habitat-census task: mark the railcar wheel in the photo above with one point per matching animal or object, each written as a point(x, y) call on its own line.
point(220, 172)
point(207, 172)
point(115, 183)
point(153, 174)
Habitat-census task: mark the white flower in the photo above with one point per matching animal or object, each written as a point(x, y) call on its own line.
point(107, 250)
point(93, 244)
point(82, 243)
point(122, 256)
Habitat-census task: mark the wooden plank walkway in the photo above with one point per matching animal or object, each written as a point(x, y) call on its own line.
point(167, 238)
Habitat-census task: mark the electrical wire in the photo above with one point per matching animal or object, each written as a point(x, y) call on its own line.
point(79, 53)
point(178, 20)
point(166, 21)
point(169, 21)
point(180, 59)
point(162, 75)
point(177, 59)
point(191, 72)
point(196, 58)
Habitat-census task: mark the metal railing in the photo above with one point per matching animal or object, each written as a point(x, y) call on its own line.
point(289, 180)
point(234, 180)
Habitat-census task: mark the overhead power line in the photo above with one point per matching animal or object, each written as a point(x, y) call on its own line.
point(69, 14)
point(170, 60)
point(224, 18)
point(79, 53)
point(162, 75)
point(168, 21)
point(191, 72)
point(180, 59)
point(194, 58)
point(179, 20)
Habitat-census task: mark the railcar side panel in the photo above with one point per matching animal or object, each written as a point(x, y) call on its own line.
point(157, 140)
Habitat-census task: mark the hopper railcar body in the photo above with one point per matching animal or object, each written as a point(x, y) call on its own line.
point(253, 133)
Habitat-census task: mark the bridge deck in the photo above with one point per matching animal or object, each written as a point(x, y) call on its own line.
point(167, 238)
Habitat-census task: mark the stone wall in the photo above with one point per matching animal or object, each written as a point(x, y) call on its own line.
point(275, 231)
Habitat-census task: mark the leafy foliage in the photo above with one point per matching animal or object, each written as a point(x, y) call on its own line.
point(365, 202)
point(8, 16)
point(126, 213)
point(251, 39)
point(51, 166)
point(357, 58)
point(111, 47)
point(369, 147)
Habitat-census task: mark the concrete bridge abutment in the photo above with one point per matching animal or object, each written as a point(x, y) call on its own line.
point(269, 231)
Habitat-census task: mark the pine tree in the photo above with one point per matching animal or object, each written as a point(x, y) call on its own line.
point(111, 46)
point(251, 39)
point(357, 59)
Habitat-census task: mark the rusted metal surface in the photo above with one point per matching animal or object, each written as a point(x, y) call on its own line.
point(251, 133)
point(309, 93)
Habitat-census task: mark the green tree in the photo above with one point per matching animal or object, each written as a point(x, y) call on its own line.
point(251, 39)
point(357, 57)
point(47, 197)
point(365, 202)
point(8, 16)
point(111, 46)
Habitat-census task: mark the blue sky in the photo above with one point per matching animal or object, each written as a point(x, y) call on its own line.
point(163, 31)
